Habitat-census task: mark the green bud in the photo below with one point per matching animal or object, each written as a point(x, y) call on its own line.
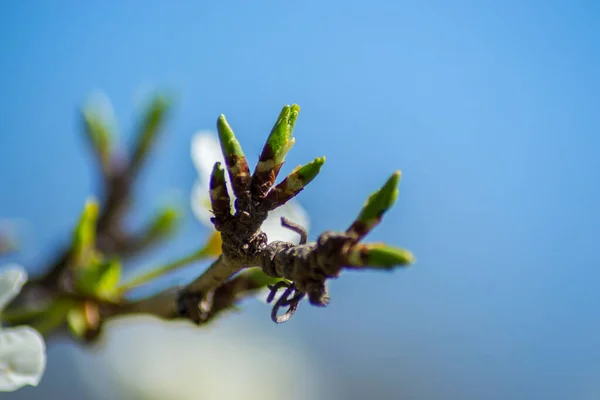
point(84, 236)
point(99, 134)
point(375, 206)
point(237, 166)
point(306, 173)
point(379, 255)
point(83, 320)
point(219, 196)
point(278, 144)
point(164, 223)
point(77, 322)
point(280, 140)
point(100, 279)
point(229, 144)
point(295, 182)
point(217, 176)
point(152, 122)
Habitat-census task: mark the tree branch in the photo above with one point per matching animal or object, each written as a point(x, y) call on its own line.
point(302, 269)
point(164, 305)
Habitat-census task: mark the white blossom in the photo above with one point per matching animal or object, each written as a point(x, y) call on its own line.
point(145, 358)
point(22, 349)
point(206, 151)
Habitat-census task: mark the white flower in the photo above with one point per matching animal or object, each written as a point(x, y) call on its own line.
point(206, 151)
point(22, 349)
point(146, 358)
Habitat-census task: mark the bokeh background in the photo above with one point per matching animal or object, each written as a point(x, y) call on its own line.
point(490, 109)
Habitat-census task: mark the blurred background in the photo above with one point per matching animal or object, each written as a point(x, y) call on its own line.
point(490, 109)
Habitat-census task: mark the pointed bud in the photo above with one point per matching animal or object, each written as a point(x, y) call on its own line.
point(164, 223)
point(378, 255)
point(84, 236)
point(84, 320)
point(237, 166)
point(99, 279)
point(98, 131)
point(375, 206)
point(151, 124)
point(219, 196)
point(294, 183)
point(278, 144)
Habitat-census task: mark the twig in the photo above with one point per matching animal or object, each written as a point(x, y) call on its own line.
point(306, 266)
point(163, 270)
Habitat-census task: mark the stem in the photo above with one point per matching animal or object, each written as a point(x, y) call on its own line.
point(164, 305)
point(54, 317)
point(218, 273)
point(165, 269)
point(21, 315)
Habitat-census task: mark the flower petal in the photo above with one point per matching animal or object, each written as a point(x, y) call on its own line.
point(200, 202)
point(292, 211)
point(22, 358)
point(12, 279)
point(206, 151)
point(147, 358)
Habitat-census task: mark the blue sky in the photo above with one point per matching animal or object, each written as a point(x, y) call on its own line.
point(489, 108)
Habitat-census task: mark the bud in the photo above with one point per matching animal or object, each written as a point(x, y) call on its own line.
point(84, 320)
point(164, 223)
point(152, 122)
point(237, 166)
point(278, 144)
point(294, 183)
point(84, 236)
point(378, 255)
point(219, 196)
point(98, 131)
point(375, 206)
point(99, 279)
